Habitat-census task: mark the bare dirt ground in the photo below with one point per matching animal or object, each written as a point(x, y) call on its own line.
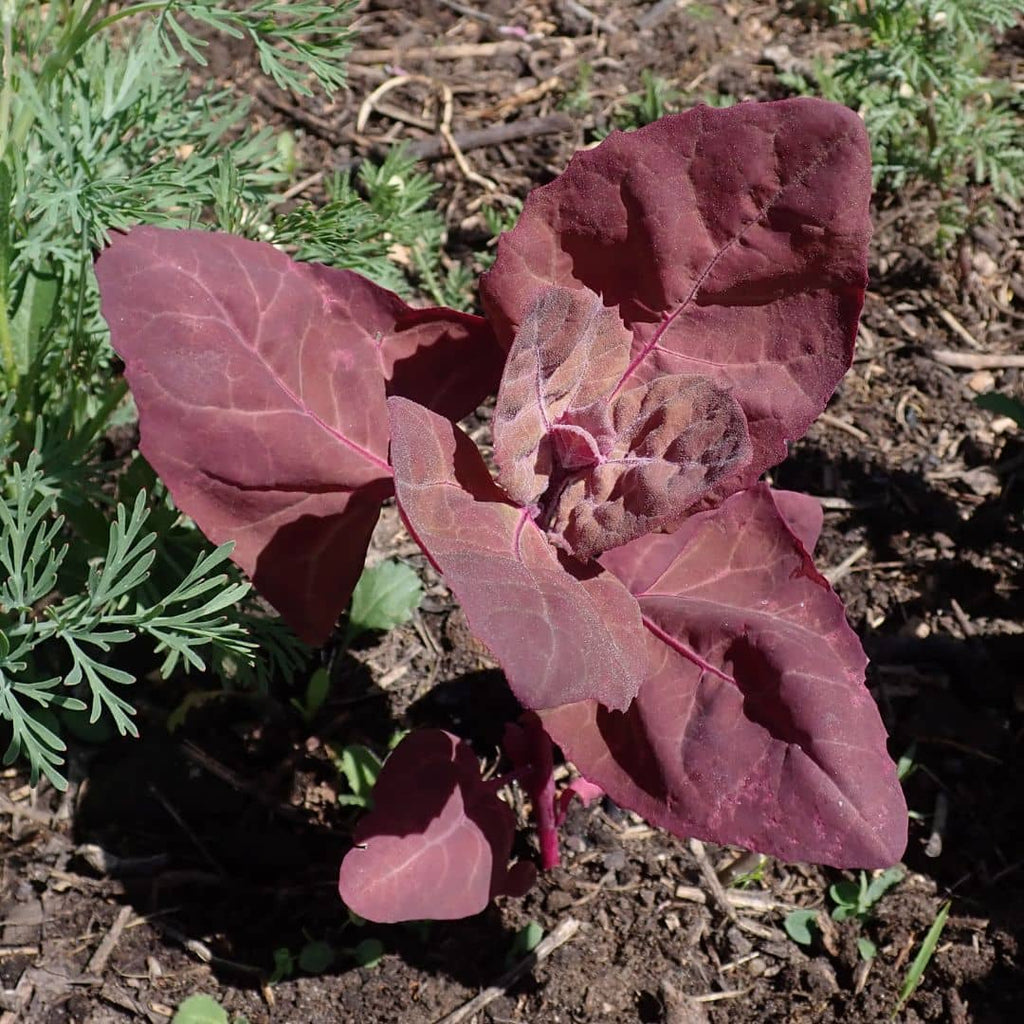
point(181, 863)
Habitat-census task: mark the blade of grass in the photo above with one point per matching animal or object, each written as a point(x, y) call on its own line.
point(923, 958)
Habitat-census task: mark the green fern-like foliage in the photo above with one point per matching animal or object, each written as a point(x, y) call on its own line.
point(919, 81)
point(58, 640)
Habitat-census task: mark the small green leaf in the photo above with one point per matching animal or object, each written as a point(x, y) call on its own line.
point(368, 953)
point(5, 645)
point(881, 885)
point(1002, 405)
point(800, 925)
point(360, 766)
point(284, 965)
point(907, 764)
point(846, 895)
point(316, 691)
point(867, 949)
point(316, 957)
point(200, 1009)
point(36, 308)
point(923, 958)
point(524, 942)
point(385, 596)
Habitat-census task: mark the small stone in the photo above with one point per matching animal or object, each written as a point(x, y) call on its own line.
point(981, 381)
point(614, 860)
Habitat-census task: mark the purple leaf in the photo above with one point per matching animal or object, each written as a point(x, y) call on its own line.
point(733, 244)
point(260, 384)
point(560, 635)
point(437, 843)
point(755, 726)
point(803, 514)
point(603, 470)
point(569, 352)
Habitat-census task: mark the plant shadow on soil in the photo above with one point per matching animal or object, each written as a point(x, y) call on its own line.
point(952, 699)
point(224, 856)
point(248, 872)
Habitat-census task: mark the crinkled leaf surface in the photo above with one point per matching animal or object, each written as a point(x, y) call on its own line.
point(556, 629)
point(755, 726)
point(260, 384)
point(731, 242)
point(601, 468)
point(438, 841)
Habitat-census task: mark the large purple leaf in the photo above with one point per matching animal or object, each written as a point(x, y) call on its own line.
point(437, 843)
point(260, 384)
point(560, 635)
point(755, 726)
point(733, 244)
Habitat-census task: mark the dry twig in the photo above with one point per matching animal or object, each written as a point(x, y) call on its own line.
point(978, 360)
point(558, 937)
point(103, 951)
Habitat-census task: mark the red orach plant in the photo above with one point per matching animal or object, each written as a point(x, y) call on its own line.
point(665, 316)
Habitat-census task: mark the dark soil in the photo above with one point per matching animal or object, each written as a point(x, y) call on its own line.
point(224, 838)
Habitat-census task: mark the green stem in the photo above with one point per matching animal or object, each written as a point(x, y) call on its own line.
point(8, 89)
point(7, 345)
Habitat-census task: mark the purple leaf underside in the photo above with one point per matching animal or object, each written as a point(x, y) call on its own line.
point(438, 841)
point(555, 633)
point(260, 384)
point(733, 245)
point(754, 726)
point(599, 469)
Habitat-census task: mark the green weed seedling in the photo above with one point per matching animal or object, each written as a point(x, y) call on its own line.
point(857, 899)
point(656, 98)
point(524, 942)
point(204, 1009)
point(922, 959)
point(386, 596)
point(853, 900)
point(801, 925)
point(917, 75)
point(360, 766)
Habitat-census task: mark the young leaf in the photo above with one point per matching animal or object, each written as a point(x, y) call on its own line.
point(1002, 405)
point(754, 726)
point(732, 244)
point(361, 768)
point(559, 637)
point(315, 957)
point(605, 468)
point(800, 925)
point(36, 307)
point(200, 1009)
point(437, 843)
point(368, 953)
point(385, 596)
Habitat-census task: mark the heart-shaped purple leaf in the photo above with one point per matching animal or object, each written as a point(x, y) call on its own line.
point(437, 843)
